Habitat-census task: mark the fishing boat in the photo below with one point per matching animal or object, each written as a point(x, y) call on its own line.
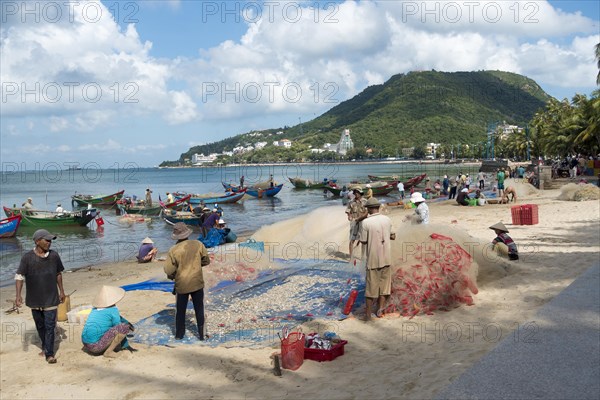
point(227, 198)
point(376, 178)
point(9, 226)
point(301, 183)
point(126, 207)
point(258, 192)
point(45, 219)
point(187, 218)
point(414, 181)
point(98, 199)
point(378, 190)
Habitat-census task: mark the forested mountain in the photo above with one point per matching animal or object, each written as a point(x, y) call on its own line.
point(411, 110)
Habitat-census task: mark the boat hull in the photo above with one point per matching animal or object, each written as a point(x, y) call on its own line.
point(226, 199)
point(9, 226)
point(45, 219)
point(97, 200)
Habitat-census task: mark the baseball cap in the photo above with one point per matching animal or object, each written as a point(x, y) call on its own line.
point(43, 234)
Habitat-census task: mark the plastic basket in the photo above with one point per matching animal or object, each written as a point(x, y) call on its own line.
point(529, 214)
point(292, 351)
point(516, 215)
point(78, 315)
point(325, 355)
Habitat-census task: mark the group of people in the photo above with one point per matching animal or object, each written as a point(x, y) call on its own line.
point(105, 330)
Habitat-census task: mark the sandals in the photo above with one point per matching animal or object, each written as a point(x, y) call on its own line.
point(379, 313)
point(51, 360)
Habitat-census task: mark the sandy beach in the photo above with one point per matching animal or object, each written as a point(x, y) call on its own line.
point(391, 357)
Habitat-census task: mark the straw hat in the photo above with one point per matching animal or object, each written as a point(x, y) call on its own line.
point(499, 226)
point(369, 185)
point(357, 189)
point(180, 231)
point(147, 240)
point(372, 203)
point(108, 296)
point(416, 197)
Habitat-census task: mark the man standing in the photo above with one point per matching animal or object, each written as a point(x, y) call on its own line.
point(356, 212)
point(401, 189)
point(500, 176)
point(148, 197)
point(376, 233)
point(183, 265)
point(41, 270)
point(481, 179)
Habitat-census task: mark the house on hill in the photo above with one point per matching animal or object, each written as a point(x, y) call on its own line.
point(343, 145)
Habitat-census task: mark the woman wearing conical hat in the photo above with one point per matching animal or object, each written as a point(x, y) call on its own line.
point(502, 237)
point(105, 331)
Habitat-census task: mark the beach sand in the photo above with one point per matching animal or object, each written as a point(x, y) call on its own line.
point(391, 357)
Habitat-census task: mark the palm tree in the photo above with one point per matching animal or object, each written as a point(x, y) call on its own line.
point(598, 59)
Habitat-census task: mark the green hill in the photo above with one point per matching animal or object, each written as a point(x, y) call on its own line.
point(411, 110)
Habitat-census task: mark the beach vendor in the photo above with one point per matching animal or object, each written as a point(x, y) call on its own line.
point(183, 265)
point(356, 212)
point(147, 251)
point(376, 233)
point(105, 331)
point(41, 270)
point(502, 237)
point(421, 215)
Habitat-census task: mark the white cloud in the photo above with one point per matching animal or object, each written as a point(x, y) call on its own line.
point(182, 108)
point(58, 124)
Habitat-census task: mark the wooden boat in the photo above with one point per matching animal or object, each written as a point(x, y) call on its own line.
point(301, 183)
point(378, 190)
point(49, 219)
point(227, 198)
point(253, 191)
point(187, 218)
point(9, 226)
point(376, 178)
point(414, 181)
point(153, 211)
point(98, 199)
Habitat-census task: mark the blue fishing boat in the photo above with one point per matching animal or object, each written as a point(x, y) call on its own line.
point(9, 226)
point(253, 191)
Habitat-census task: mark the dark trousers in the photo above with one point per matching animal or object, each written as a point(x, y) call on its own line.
point(182, 302)
point(45, 323)
point(452, 192)
point(481, 185)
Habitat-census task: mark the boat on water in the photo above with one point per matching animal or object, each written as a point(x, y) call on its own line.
point(414, 181)
point(377, 178)
point(9, 226)
point(378, 190)
point(127, 207)
point(301, 183)
point(49, 219)
point(408, 183)
point(227, 198)
point(253, 191)
point(97, 199)
point(186, 217)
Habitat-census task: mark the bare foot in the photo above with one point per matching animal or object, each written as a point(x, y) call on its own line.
point(111, 354)
point(51, 360)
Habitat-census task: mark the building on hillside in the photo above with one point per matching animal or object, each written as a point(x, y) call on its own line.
point(199, 159)
point(343, 145)
point(408, 151)
point(431, 150)
point(283, 143)
point(260, 145)
point(505, 130)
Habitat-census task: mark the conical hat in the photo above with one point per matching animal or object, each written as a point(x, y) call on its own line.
point(500, 226)
point(108, 296)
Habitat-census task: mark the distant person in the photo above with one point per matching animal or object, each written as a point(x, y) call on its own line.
point(445, 185)
point(573, 167)
point(500, 176)
point(147, 251)
point(105, 330)
point(376, 234)
point(170, 198)
point(184, 265)
point(480, 197)
point(509, 191)
point(242, 181)
point(344, 195)
point(421, 215)
point(28, 205)
point(481, 179)
point(369, 193)
point(520, 171)
point(463, 197)
point(356, 213)
point(453, 187)
point(148, 197)
point(271, 181)
point(401, 189)
point(467, 181)
point(502, 237)
point(59, 209)
point(41, 271)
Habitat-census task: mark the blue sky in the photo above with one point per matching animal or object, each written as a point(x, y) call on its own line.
point(140, 82)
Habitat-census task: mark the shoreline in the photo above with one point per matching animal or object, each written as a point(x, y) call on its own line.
point(554, 253)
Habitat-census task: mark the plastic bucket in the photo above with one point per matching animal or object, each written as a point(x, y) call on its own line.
point(63, 309)
point(292, 351)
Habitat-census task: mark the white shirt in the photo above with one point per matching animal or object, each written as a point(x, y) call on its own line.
point(59, 209)
point(400, 186)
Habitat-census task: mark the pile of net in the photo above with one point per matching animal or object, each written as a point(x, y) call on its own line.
point(433, 272)
point(579, 192)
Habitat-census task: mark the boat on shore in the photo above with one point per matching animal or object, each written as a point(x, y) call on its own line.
point(258, 192)
point(414, 181)
point(49, 219)
point(301, 183)
point(9, 226)
point(378, 190)
point(377, 178)
point(227, 198)
point(97, 200)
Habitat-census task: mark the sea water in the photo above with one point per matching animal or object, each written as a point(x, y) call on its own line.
point(116, 242)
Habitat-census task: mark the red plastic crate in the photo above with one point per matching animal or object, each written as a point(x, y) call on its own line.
point(516, 215)
point(529, 214)
point(325, 355)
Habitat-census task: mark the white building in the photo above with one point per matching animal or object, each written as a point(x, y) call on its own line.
point(431, 150)
point(343, 145)
point(283, 143)
point(199, 159)
point(260, 145)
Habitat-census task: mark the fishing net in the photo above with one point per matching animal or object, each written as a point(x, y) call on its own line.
point(579, 192)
